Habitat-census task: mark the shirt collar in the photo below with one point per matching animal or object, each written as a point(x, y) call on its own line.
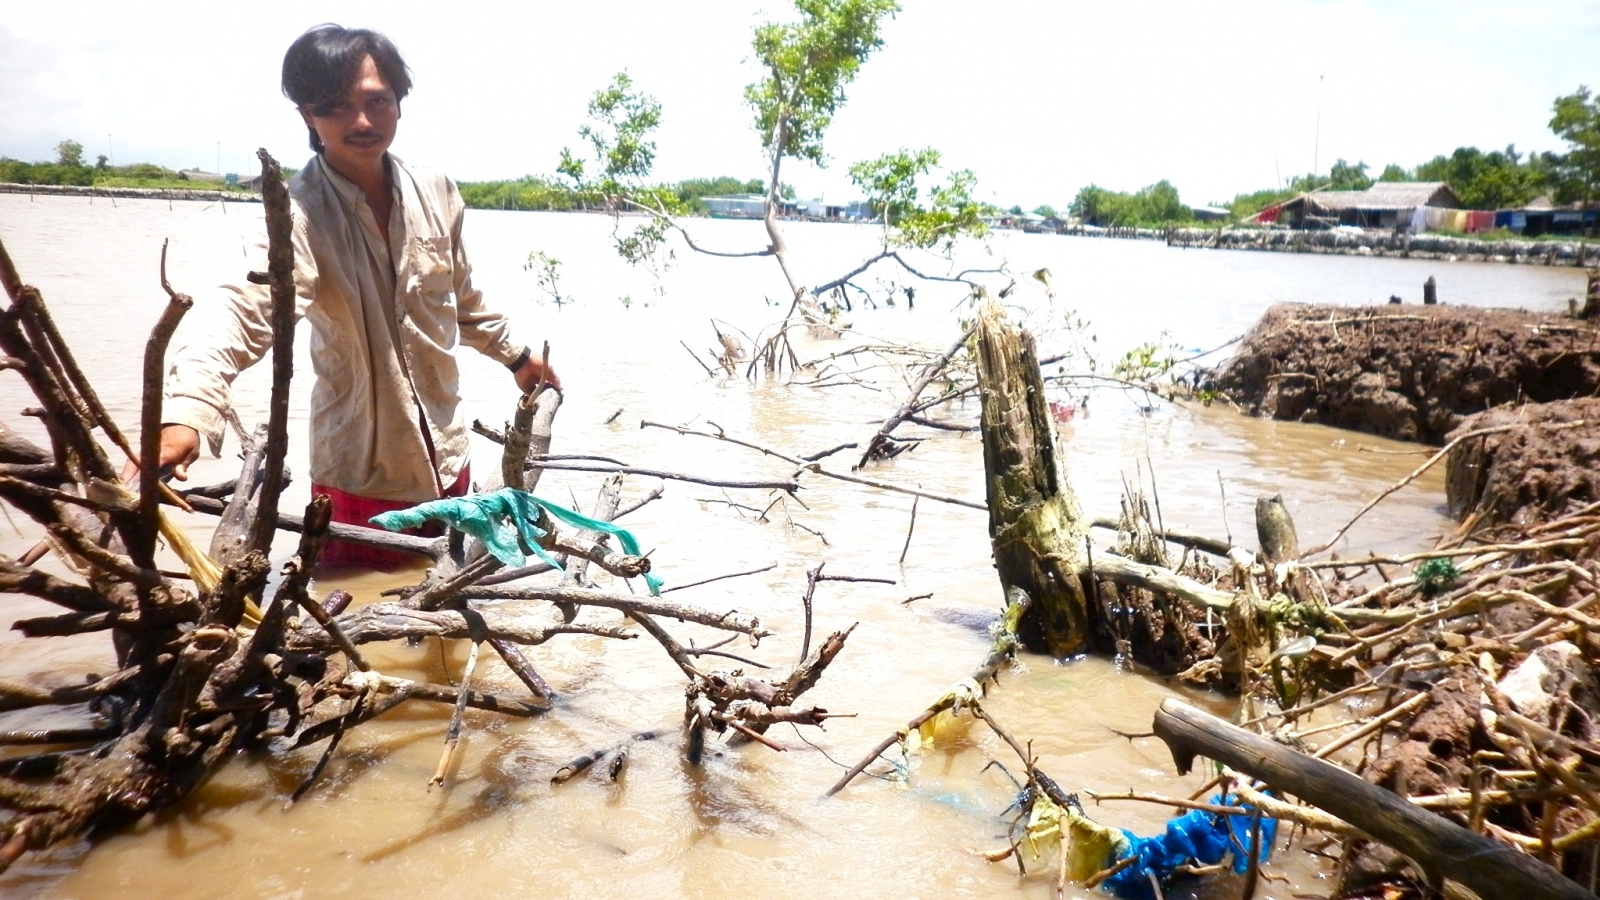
point(346, 189)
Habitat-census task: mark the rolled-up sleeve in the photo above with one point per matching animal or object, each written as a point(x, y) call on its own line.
point(485, 330)
point(228, 331)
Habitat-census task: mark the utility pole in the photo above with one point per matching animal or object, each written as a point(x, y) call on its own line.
point(1316, 140)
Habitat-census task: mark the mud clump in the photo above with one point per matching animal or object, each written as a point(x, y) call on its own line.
point(1545, 464)
point(1411, 373)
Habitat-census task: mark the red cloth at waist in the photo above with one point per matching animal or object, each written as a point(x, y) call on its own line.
point(351, 509)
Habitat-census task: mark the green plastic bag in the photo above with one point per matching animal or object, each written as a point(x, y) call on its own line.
point(504, 521)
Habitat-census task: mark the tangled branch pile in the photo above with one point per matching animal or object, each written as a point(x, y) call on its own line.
point(229, 658)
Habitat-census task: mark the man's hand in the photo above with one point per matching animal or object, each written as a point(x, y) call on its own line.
point(180, 446)
point(527, 379)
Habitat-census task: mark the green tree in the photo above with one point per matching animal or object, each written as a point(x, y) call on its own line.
point(1343, 176)
point(1093, 205)
point(1157, 204)
point(621, 122)
point(693, 191)
point(69, 153)
point(1493, 180)
point(622, 153)
point(1246, 205)
point(1346, 177)
point(808, 65)
point(893, 187)
point(1392, 172)
point(1046, 210)
point(1577, 121)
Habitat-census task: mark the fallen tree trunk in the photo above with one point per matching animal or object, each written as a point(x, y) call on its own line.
point(1441, 847)
point(1038, 532)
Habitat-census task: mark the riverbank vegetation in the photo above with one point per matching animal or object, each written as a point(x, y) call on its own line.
point(69, 169)
point(1158, 204)
point(540, 193)
point(1492, 179)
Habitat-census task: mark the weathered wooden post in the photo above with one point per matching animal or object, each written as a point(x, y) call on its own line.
point(1035, 525)
point(1430, 292)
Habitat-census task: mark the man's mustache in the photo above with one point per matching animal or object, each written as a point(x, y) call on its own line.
point(363, 136)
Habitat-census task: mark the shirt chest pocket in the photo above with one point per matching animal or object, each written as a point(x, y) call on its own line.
point(435, 275)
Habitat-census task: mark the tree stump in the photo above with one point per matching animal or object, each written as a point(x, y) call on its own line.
point(1037, 530)
point(1275, 530)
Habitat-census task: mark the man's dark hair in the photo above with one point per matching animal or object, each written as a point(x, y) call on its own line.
point(322, 64)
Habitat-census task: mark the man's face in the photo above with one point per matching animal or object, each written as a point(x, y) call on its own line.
point(359, 129)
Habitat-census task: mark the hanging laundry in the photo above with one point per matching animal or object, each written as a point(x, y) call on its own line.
point(1270, 214)
point(1419, 220)
point(1480, 220)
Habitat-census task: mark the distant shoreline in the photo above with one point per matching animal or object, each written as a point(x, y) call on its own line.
point(79, 190)
point(1574, 253)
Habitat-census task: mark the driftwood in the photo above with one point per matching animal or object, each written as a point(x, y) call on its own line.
point(811, 464)
point(280, 277)
point(1444, 849)
point(1001, 651)
point(879, 446)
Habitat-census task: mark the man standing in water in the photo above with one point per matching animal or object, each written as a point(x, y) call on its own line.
point(381, 273)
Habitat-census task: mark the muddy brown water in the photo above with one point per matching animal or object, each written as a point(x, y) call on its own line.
point(750, 821)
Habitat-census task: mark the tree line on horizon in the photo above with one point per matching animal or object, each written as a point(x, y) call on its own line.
point(537, 192)
point(1496, 179)
point(70, 169)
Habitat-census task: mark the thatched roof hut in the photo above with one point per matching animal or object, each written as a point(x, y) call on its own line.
point(1387, 204)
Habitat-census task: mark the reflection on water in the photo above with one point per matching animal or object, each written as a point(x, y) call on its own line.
point(749, 821)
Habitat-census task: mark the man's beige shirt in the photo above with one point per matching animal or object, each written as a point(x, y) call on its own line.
point(387, 309)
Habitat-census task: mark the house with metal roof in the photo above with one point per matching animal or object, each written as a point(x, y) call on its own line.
point(740, 206)
point(1544, 216)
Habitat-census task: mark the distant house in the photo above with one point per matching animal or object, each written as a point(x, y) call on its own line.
point(1542, 216)
point(1209, 213)
point(753, 206)
point(197, 175)
point(740, 206)
point(822, 209)
point(1387, 205)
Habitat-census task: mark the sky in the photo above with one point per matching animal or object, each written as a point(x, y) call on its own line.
point(1037, 98)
